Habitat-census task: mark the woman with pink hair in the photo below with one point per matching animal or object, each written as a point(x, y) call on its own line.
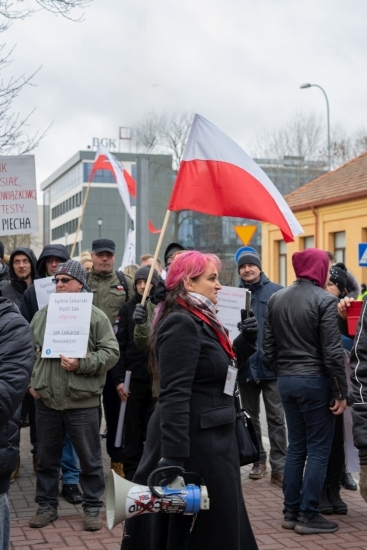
point(193, 425)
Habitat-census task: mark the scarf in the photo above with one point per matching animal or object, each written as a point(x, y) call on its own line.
point(203, 309)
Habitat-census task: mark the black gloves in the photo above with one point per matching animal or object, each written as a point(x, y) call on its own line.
point(248, 327)
point(140, 315)
point(171, 474)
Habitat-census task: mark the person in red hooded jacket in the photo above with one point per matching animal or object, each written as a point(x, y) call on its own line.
point(305, 350)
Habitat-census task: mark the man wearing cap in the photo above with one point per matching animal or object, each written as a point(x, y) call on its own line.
point(67, 393)
point(111, 289)
point(139, 397)
point(256, 376)
point(50, 258)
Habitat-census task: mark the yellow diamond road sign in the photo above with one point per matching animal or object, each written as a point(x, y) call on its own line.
point(245, 232)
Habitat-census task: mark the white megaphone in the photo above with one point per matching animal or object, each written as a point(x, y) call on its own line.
point(125, 499)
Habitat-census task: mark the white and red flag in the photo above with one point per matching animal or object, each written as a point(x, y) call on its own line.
point(125, 182)
point(217, 177)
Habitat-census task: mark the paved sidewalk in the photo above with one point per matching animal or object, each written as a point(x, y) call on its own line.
point(263, 500)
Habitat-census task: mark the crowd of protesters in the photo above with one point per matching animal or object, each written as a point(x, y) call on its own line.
point(292, 350)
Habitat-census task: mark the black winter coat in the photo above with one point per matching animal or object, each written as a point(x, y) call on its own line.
point(16, 365)
point(301, 335)
point(193, 420)
point(131, 358)
point(358, 394)
point(29, 304)
point(257, 367)
point(15, 290)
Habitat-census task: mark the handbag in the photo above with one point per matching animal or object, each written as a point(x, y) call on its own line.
point(247, 442)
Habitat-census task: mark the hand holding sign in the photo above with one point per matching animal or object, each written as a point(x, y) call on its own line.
point(69, 364)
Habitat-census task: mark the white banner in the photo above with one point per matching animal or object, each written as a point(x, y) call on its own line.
point(18, 195)
point(129, 253)
point(230, 302)
point(68, 324)
point(43, 287)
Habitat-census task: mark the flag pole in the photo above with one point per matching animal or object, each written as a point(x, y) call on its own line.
point(158, 247)
point(80, 218)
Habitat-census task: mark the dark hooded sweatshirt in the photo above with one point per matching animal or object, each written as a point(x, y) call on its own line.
point(301, 335)
point(15, 290)
point(29, 305)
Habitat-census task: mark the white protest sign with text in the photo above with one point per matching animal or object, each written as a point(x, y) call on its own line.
point(18, 195)
point(230, 302)
point(43, 287)
point(67, 325)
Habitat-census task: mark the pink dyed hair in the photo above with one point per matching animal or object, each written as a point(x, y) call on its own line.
point(189, 265)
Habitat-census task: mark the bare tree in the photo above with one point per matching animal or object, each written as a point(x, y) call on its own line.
point(13, 126)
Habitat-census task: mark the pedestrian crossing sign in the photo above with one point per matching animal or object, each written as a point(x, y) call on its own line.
point(362, 254)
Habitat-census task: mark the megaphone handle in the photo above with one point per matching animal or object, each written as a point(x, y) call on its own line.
point(158, 471)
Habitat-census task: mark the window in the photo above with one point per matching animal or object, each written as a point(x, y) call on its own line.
point(308, 242)
point(67, 205)
point(339, 246)
point(282, 255)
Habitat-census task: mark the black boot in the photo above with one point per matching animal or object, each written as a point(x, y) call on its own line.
point(339, 506)
point(325, 506)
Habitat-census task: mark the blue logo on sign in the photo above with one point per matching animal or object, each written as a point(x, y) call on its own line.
point(362, 254)
point(48, 351)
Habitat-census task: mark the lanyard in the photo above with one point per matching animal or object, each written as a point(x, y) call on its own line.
point(223, 338)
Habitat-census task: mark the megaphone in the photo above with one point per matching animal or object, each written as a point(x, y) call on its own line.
point(125, 499)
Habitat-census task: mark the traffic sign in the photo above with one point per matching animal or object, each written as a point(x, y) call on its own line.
point(245, 232)
point(242, 250)
point(362, 254)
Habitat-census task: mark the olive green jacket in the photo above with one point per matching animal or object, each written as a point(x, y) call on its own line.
point(142, 332)
point(61, 389)
point(108, 293)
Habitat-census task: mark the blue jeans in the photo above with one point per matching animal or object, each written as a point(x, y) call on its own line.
point(69, 464)
point(82, 426)
point(310, 434)
point(4, 522)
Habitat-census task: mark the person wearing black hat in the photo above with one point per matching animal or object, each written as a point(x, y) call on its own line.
point(111, 289)
point(170, 251)
point(139, 397)
point(337, 283)
point(256, 376)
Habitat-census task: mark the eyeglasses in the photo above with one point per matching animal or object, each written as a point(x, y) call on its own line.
point(62, 280)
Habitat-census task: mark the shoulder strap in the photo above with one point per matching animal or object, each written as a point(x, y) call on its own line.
point(121, 277)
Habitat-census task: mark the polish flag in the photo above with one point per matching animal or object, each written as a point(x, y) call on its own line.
point(217, 177)
point(125, 182)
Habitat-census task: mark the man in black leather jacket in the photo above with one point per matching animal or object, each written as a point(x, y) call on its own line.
point(305, 350)
point(16, 364)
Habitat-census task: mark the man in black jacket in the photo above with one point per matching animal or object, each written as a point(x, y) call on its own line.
point(305, 351)
point(22, 271)
point(139, 397)
point(256, 377)
point(16, 364)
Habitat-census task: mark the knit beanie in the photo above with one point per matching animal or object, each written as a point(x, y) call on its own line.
point(338, 276)
point(143, 273)
point(249, 258)
point(74, 269)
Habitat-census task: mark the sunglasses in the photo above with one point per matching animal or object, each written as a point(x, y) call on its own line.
point(62, 280)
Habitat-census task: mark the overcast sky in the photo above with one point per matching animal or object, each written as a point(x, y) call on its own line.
point(239, 63)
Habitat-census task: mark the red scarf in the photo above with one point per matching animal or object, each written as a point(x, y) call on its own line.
point(223, 337)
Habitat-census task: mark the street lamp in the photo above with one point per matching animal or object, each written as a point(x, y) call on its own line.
point(100, 222)
point(328, 116)
point(66, 234)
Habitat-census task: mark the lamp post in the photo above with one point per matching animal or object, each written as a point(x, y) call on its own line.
point(328, 116)
point(66, 234)
point(100, 222)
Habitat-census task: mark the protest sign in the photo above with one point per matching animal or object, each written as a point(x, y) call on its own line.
point(230, 302)
point(43, 287)
point(67, 325)
point(18, 196)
